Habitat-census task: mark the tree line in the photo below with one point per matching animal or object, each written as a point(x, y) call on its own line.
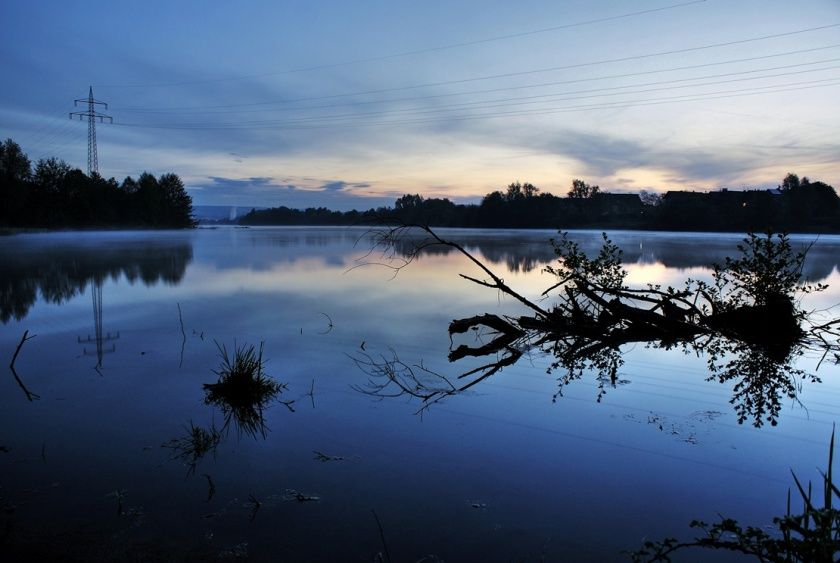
point(796, 205)
point(53, 194)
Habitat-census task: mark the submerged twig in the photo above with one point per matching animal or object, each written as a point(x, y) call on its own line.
point(211, 487)
point(391, 377)
point(29, 394)
point(255, 506)
point(321, 456)
point(292, 494)
point(183, 336)
point(118, 494)
point(311, 393)
point(330, 325)
point(382, 536)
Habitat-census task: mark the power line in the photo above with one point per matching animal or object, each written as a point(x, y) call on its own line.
point(580, 108)
point(291, 124)
point(530, 86)
point(57, 140)
point(566, 96)
point(416, 51)
point(546, 69)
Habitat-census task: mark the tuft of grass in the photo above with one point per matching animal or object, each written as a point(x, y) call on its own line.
point(243, 389)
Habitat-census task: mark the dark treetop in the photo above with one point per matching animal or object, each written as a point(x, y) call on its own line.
point(796, 206)
point(56, 195)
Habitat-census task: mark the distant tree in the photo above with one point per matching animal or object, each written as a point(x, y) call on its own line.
point(50, 174)
point(409, 201)
point(177, 201)
point(516, 191)
point(791, 182)
point(16, 201)
point(129, 185)
point(530, 190)
point(14, 164)
point(650, 198)
point(582, 190)
point(493, 199)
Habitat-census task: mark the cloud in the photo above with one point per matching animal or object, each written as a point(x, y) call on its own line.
point(341, 186)
point(261, 191)
point(334, 186)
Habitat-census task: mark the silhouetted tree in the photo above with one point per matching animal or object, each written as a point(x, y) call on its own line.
point(177, 202)
point(804, 206)
point(129, 185)
point(50, 174)
point(790, 182)
point(517, 191)
point(57, 195)
point(582, 190)
point(14, 164)
point(409, 201)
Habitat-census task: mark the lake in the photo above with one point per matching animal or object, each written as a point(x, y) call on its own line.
point(128, 327)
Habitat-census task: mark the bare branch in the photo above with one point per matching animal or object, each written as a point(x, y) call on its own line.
point(29, 394)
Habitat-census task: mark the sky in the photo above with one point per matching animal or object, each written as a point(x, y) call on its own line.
point(353, 104)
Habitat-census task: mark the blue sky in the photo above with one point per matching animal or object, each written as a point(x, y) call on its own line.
point(351, 104)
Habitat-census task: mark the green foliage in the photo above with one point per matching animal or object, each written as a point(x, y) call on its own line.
point(813, 536)
point(767, 272)
point(605, 270)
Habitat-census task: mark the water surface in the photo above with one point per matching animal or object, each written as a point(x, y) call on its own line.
point(507, 471)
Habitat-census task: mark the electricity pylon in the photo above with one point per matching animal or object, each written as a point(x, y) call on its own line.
point(92, 115)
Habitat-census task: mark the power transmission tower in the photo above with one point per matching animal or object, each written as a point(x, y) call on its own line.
point(92, 115)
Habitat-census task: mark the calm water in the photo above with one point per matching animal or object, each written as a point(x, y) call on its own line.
point(501, 473)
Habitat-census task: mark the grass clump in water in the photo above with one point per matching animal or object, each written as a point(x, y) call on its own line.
point(243, 389)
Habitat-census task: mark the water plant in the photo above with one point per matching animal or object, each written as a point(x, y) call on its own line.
point(812, 536)
point(243, 390)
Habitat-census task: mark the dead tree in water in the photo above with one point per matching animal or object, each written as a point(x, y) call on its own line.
point(749, 308)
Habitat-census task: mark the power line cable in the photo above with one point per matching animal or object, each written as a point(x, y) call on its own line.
point(290, 124)
point(554, 68)
point(567, 96)
point(414, 52)
point(531, 86)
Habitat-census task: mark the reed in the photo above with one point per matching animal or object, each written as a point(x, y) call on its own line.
point(812, 536)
